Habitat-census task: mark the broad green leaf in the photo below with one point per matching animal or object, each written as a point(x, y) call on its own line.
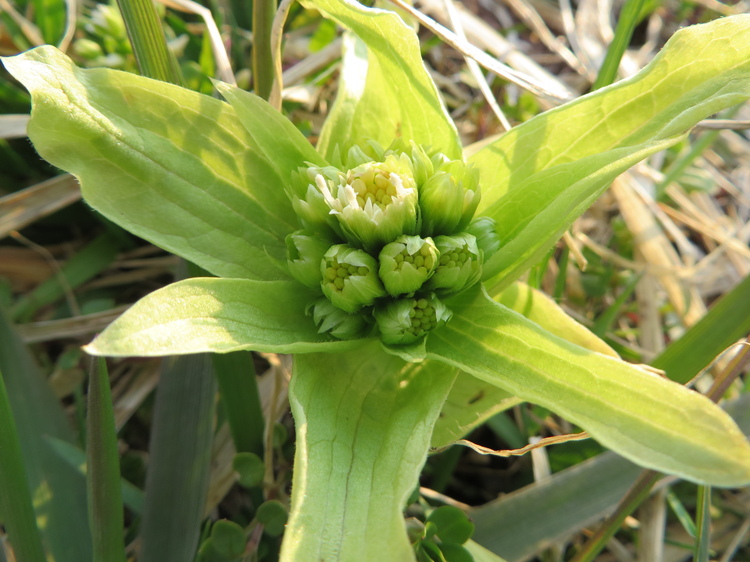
point(170, 165)
point(274, 135)
point(385, 91)
point(471, 401)
point(651, 421)
point(364, 421)
point(219, 315)
point(542, 310)
point(538, 177)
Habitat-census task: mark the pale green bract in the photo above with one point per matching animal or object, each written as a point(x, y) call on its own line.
point(210, 181)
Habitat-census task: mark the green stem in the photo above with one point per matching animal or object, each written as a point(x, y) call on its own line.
point(364, 421)
point(148, 40)
point(263, 12)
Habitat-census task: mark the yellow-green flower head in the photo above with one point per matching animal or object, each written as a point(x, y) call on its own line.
point(460, 264)
point(405, 321)
point(350, 278)
point(483, 229)
point(449, 198)
point(407, 263)
point(304, 251)
point(331, 319)
point(308, 201)
point(376, 203)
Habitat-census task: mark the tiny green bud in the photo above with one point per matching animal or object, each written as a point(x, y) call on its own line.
point(87, 48)
point(407, 320)
point(459, 266)
point(350, 278)
point(304, 251)
point(449, 198)
point(483, 229)
point(342, 325)
point(308, 201)
point(407, 263)
point(377, 202)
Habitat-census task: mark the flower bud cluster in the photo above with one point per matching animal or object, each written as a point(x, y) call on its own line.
point(386, 234)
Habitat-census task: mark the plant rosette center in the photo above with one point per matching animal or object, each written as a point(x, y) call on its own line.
point(385, 236)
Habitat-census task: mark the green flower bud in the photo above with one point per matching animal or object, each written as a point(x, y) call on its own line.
point(350, 278)
point(342, 325)
point(449, 198)
point(483, 229)
point(376, 204)
point(407, 263)
point(460, 264)
point(304, 251)
point(406, 320)
point(308, 200)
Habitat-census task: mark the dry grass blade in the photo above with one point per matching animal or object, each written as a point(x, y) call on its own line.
point(22, 208)
point(75, 327)
point(13, 126)
point(223, 66)
point(474, 67)
point(467, 49)
point(554, 440)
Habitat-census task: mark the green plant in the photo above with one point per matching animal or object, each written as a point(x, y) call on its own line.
point(226, 185)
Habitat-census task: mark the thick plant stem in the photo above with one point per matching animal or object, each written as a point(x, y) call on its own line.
point(364, 421)
point(263, 12)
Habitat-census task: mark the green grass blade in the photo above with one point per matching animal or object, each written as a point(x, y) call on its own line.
point(623, 32)
point(148, 40)
point(635, 496)
point(103, 476)
point(16, 509)
point(132, 496)
point(703, 525)
point(180, 451)
point(525, 521)
point(59, 492)
point(238, 387)
point(607, 318)
point(681, 513)
point(87, 263)
point(726, 322)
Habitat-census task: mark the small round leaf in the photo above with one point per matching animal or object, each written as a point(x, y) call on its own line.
point(273, 515)
point(228, 539)
point(250, 468)
point(452, 523)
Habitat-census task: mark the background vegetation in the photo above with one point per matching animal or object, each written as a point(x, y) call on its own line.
point(659, 267)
